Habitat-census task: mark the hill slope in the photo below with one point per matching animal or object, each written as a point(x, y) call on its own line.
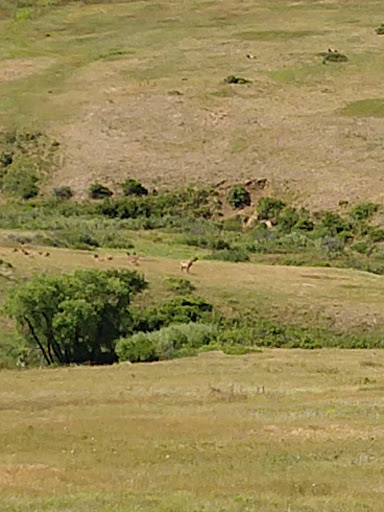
point(138, 88)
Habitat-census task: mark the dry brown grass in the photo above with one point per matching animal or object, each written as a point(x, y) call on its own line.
point(115, 115)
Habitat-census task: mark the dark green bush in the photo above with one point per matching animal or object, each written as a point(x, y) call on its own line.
point(363, 247)
point(6, 158)
point(99, 191)
point(63, 192)
point(20, 182)
point(180, 310)
point(364, 211)
point(232, 79)
point(238, 197)
point(133, 187)
point(288, 218)
point(335, 224)
point(269, 208)
point(335, 57)
point(380, 30)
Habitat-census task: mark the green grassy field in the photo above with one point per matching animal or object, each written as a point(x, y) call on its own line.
point(138, 88)
point(275, 431)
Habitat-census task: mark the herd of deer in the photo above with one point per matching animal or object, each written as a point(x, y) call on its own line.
point(31, 253)
point(133, 258)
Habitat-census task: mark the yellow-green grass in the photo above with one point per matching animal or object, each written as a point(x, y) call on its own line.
point(275, 431)
point(98, 76)
point(344, 300)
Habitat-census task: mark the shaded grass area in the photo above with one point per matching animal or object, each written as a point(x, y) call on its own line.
point(364, 108)
point(276, 35)
point(266, 431)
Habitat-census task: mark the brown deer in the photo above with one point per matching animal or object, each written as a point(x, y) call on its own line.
point(186, 265)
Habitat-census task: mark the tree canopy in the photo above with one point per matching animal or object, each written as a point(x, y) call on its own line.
point(76, 317)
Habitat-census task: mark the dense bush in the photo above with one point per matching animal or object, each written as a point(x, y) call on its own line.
point(132, 187)
point(232, 79)
point(99, 191)
point(238, 197)
point(20, 182)
point(182, 309)
point(166, 343)
point(269, 208)
point(76, 317)
point(364, 211)
point(63, 192)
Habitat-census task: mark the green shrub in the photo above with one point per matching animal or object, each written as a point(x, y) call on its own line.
point(182, 309)
point(20, 182)
point(233, 224)
point(180, 285)
point(6, 158)
point(63, 192)
point(137, 348)
point(288, 218)
point(335, 57)
point(238, 197)
point(99, 191)
point(363, 247)
point(232, 79)
point(269, 208)
point(166, 343)
point(380, 30)
point(376, 235)
point(364, 211)
point(335, 224)
point(132, 187)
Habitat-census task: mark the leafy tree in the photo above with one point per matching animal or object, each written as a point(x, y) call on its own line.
point(75, 317)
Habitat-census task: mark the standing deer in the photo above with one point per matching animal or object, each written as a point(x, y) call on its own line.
point(186, 265)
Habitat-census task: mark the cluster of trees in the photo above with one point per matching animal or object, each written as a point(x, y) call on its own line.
point(80, 317)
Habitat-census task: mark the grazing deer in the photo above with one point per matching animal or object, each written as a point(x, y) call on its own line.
point(332, 50)
point(134, 258)
point(186, 265)
point(249, 56)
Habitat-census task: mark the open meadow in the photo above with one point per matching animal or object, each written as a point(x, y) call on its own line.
point(276, 431)
point(138, 134)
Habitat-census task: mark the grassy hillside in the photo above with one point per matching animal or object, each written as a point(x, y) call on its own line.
point(138, 88)
point(273, 431)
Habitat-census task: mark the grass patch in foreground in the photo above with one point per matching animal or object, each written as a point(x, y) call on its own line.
point(258, 432)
